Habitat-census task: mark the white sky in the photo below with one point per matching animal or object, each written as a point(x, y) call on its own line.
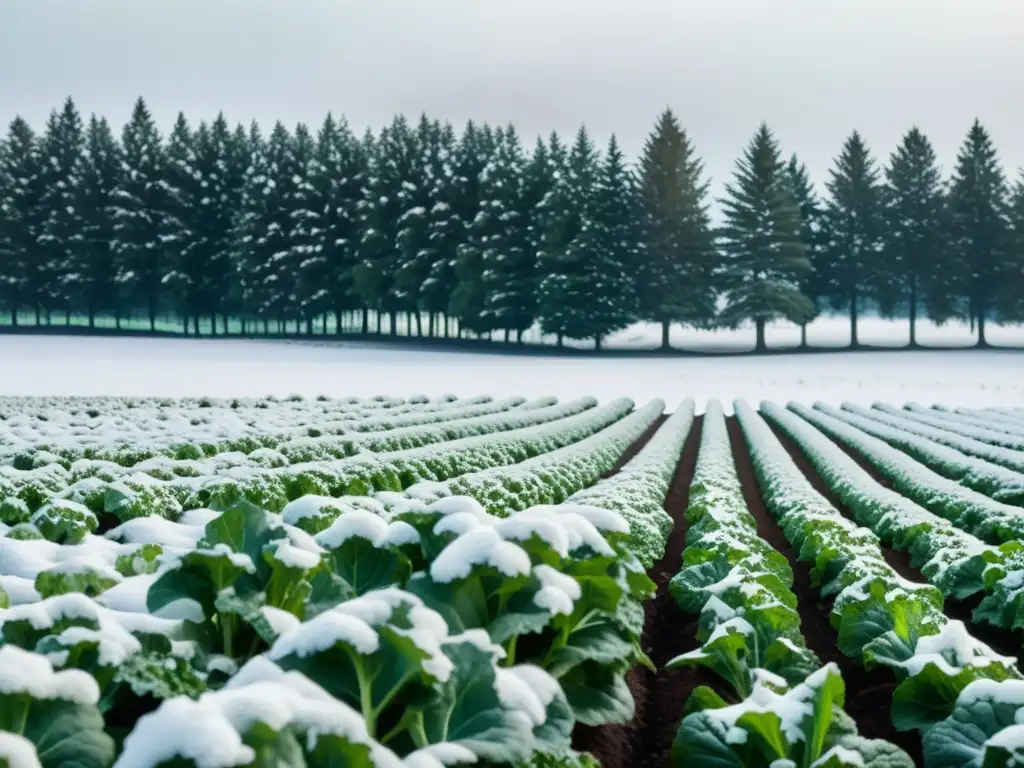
point(814, 69)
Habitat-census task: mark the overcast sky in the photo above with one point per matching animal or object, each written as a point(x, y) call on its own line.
point(814, 69)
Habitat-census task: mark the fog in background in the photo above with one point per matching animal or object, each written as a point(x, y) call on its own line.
point(814, 69)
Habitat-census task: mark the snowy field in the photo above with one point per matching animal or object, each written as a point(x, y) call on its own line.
point(180, 367)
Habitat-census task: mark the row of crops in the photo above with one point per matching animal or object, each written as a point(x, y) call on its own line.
point(430, 582)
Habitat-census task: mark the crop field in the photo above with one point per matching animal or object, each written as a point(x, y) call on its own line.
point(418, 582)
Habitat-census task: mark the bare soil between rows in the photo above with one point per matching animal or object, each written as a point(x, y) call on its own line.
point(646, 741)
point(868, 692)
point(1000, 640)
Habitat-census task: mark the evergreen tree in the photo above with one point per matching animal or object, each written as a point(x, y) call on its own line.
point(414, 260)
point(453, 213)
point(509, 266)
point(303, 236)
point(914, 229)
point(469, 301)
point(21, 217)
point(565, 257)
point(330, 211)
point(978, 230)
point(140, 212)
point(265, 225)
point(852, 262)
point(610, 290)
point(98, 267)
point(810, 234)
point(221, 161)
point(241, 154)
point(60, 240)
point(512, 282)
point(676, 275)
point(1015, 286)
point(765, 260)
point(185, 280)
point(387, 198)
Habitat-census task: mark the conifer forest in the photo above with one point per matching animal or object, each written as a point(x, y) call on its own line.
point(472, 231)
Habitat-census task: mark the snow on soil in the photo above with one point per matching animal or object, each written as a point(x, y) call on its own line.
point(53, 365)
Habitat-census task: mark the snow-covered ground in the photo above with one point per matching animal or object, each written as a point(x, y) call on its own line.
point(828, 331)
point(222, 368)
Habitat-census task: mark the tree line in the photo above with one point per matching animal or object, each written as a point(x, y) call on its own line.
point(472, 230)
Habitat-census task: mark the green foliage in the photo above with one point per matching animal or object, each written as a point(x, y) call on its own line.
point(765, 259)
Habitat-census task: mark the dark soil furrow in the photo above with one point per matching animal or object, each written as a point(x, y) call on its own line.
point(636, 447)
point(868, 693)
point(647, 739)
point(1001, 640)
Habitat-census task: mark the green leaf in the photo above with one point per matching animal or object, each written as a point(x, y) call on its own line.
point(468, 711)
point(246, 529)
point(487, 600)
point(598, 694)
point(703, 697)
point(365, 567)
point(64, 733)
point(930, 695)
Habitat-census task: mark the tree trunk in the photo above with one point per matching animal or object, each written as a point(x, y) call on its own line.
point(244, 325)
point(224, 323)
point(152, 315)
point(117, 316)
point(913, 311)
point(419, 324)
point(759, 344)
point(67, 318)
point(184, 324)
point(519, 336)
point(213, 324)
point(854, 342)
point(803, 335)
point(508, 335)
point(559, 342)
point(666, 326)
point(393, 318)
point(39, 315)
point(309, 325)
point(266, 326)
point(92, 317)
point(982, 341)
point(195, 324)
point(597, 342)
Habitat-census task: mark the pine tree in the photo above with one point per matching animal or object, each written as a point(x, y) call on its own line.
point(140, 212)
point(242, 151)
point(915, 249)
point(99, 267)
point(414, 260)
point(265, 225)
point(222, 158)
point(765, 258)
point(61, 238)
point(454, 211)
point(1015, 280)
point(571, 231)
point(183, 238)
point(21, 217)
point(614, 248)
point(387, 199)
point(330, 211)
point(469, 301)
point(810, 234)
point(676, 271)
point(853, 225)
point(304, 241)
point(978, 229)
point(509, 267)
